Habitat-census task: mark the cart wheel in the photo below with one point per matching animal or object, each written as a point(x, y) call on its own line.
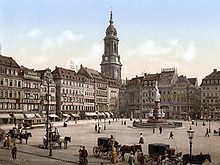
point(96, 151)
point(109, 155)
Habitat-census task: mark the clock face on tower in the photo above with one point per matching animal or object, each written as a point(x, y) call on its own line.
point(106, 58)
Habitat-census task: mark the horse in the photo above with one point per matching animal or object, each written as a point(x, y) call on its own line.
point(196, 159)
point(127, 149)
point(216, 132)
point(24, 136)
point(16, 134)
point(64, 140)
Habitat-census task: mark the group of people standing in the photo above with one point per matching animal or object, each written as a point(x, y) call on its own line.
point(138, 157)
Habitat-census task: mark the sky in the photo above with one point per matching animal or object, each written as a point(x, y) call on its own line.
point(153, 34)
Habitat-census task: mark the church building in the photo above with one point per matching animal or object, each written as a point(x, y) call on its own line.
point(111, 64)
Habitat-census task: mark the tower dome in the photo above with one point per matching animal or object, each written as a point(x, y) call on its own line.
point(111, 30)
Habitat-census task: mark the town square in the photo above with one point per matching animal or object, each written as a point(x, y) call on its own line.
point(109, 82)
point(83, 133)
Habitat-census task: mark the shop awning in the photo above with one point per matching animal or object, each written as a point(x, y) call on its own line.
point(5, 116)
point(18, 116)
point(91, 114)
point(38, 115)
point(53, 115)
point(101, 114)
point(29, 116)
point(111, 113)
point(107, 113)
point(65, 115)
point(74, 115)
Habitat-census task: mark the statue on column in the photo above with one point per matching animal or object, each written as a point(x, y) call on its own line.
point(157, 93)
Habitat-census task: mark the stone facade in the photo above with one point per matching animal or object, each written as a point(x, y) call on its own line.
point(180, 96)
point(210, 96)
point(10, 88)
point(69, 92)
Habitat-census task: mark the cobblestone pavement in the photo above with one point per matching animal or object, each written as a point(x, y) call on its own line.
point(83, 133)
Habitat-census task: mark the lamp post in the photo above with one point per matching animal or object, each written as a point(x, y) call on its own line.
point(209, 124)
point(48, 128)
point(190, 134)
point(105, 118)
point(196, 119)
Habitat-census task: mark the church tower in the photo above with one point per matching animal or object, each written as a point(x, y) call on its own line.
point(111, 64)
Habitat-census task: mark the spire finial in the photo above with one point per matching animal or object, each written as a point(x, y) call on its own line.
point(111, 21)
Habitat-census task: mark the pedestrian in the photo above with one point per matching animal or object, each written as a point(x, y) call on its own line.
point(80, 155)
point(171, 135)
point(131, 159)
point(14, 152)
point(84, 155)
point(96, 127)
point(207, 132)
point(142, 159)
point(26, 136)
point(113, 155)
point(138, 157)
point(141, 139)
point(160, 129)
point(109, 122)
point(153, 129)
point(99, 129)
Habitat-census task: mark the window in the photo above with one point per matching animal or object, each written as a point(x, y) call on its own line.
point(1, 82)
point(19, 83)
point(10, 83)
point(1, 93)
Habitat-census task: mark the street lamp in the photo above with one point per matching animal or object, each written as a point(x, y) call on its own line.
point(190, 134)
point(209, 124)
point(196, 119)
point(48, 128)
point(105, 118)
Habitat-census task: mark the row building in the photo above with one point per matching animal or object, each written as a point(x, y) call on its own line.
point(28, 93)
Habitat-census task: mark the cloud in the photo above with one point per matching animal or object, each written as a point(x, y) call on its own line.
point(190, 51)
point(153, 48)
point(62, 41)
point(34, 33)
point(90, 58)
point(67, 35)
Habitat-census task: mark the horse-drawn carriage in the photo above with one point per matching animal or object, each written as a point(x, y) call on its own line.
point(57, 138)
point(160, 153)
point(20, 134)
point(104, 147)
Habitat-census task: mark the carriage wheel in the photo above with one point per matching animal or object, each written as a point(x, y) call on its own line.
point(109, 154)
point(96, 151)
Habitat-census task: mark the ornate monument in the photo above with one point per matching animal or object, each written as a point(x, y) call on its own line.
point(156, 115)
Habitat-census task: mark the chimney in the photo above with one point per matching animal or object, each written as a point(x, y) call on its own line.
point(214, 70)
point(145, 74)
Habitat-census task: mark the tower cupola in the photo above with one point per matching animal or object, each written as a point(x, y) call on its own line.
point(111, 64)
point(111, 30)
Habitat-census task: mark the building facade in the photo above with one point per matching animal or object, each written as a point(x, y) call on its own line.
point(10, 89)
point(47, 93)
point(69, 92)
point(180, 96)
point(210, 96)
